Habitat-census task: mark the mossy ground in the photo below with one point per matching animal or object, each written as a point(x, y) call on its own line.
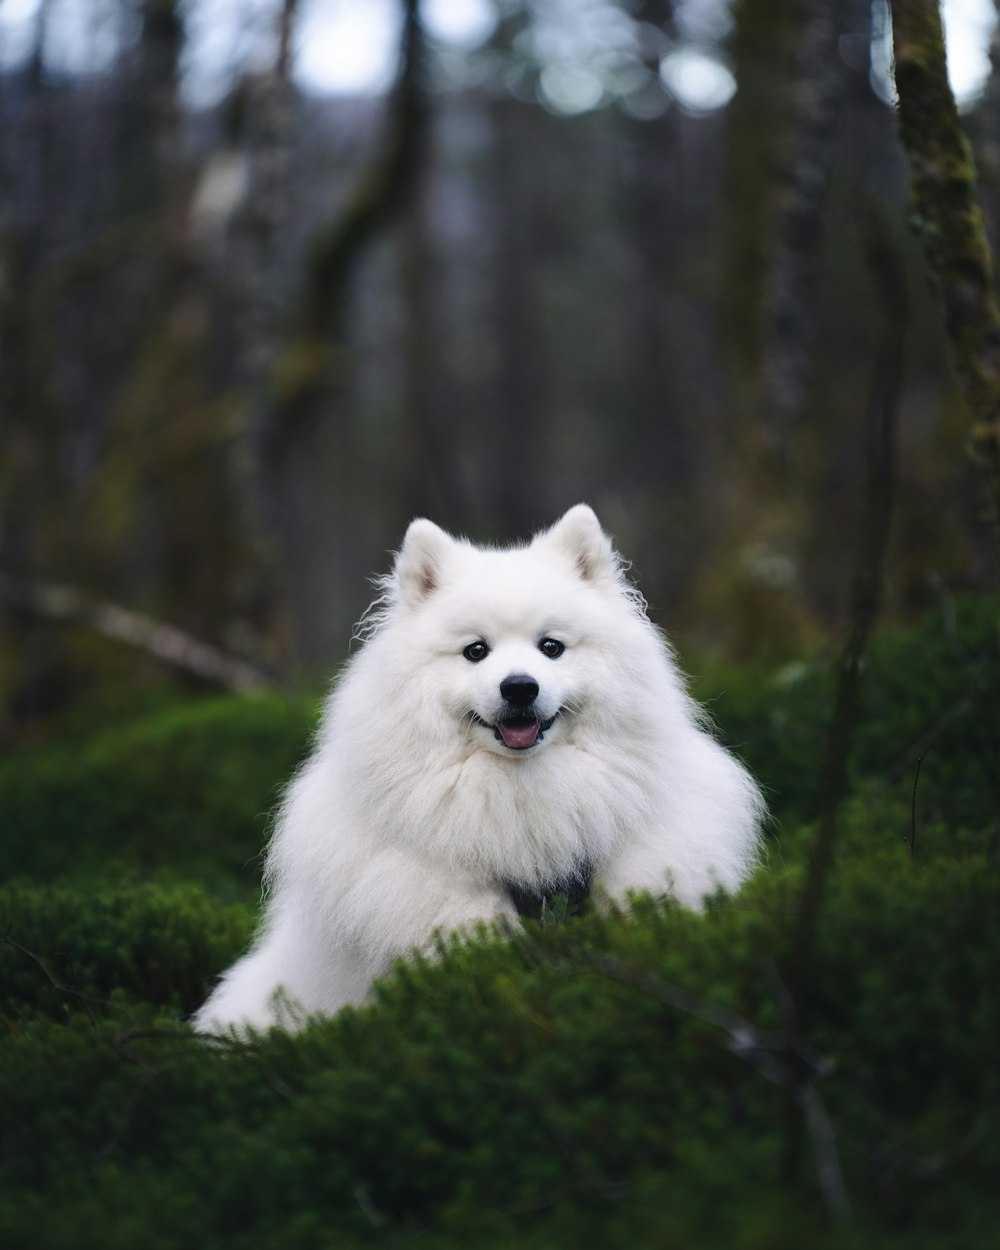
point(583, 1085)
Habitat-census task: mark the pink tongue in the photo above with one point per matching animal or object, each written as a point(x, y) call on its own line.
point(519, 736)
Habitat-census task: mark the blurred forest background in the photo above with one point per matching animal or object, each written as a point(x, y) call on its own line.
point(651, 254)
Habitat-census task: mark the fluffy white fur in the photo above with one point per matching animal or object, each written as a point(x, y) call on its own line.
point(412, 813)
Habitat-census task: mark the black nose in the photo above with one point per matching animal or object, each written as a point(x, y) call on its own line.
point(519, 689)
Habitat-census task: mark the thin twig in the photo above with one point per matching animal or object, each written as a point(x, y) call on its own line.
point(913, 802)
point(930, 735)
point(827, 1157)
point(362, 1196)
point(766, 1052)
point(125, 1037)
point(866, 590)
point(54, 981)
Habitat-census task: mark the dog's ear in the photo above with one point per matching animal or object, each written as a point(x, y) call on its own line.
point(420, 560)
point(578, 535)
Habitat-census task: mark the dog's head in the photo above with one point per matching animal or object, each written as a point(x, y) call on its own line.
point(520, 645)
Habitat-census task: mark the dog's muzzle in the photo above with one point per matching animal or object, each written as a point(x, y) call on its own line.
point(517, 730)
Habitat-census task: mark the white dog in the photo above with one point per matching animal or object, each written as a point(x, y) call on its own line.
point(512, 724)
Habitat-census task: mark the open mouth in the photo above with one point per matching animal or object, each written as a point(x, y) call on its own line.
point(517, 733)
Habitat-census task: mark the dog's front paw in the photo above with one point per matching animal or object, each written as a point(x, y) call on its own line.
point(468, 918)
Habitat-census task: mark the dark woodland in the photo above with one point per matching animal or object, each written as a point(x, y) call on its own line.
point(242, 344)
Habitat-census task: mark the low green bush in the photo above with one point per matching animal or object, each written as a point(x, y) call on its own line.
point(929, 697)
point(637, 1079)
point(515, 1086)
point(150, 943)
point(186, 791)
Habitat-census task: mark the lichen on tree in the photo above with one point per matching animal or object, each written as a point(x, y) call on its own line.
point(948, 219)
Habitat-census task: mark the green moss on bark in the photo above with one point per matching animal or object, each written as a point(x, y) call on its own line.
point(950, 223)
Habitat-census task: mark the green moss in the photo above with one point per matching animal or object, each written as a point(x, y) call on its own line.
point(950, 224)
point(76, 949)
point(928, 691)
point(511, 1079)
point(186, 791)
point(549, 1091)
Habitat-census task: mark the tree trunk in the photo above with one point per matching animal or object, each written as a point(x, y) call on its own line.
point(950, 225)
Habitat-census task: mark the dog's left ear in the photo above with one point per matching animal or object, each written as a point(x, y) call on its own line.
point(579, 536)
point(420, 560)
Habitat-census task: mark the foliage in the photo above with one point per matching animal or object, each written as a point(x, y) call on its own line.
point(146, 942)
point(189, 788)
point(930, 688)
point(581, 1085)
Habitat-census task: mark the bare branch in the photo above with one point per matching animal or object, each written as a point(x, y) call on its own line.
point(172, 646)
point(761, 1051)
point(825, 1153)
point(745, 1040)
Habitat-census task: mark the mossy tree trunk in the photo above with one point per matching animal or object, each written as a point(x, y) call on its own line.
point(780, 130)
point(815, 94)
point(950, 224)
point(308, 368)
point(262, 116)
point(758, 121)
point(311, 449)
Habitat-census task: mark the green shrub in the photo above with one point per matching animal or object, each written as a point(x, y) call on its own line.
point(186, 791)
point(514, 1083)
point(581, 1086)
point(149, 943)
point(931, 688)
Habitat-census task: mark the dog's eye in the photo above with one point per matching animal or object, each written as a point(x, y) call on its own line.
point(476, 651)
point(551, 648)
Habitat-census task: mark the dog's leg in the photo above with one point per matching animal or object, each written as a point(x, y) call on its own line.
point(292, 971)
point(398, 902)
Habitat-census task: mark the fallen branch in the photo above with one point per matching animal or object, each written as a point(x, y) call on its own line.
point(61, 604)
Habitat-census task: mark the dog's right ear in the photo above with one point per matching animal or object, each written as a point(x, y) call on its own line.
point(578, 535)
point(420, 561)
